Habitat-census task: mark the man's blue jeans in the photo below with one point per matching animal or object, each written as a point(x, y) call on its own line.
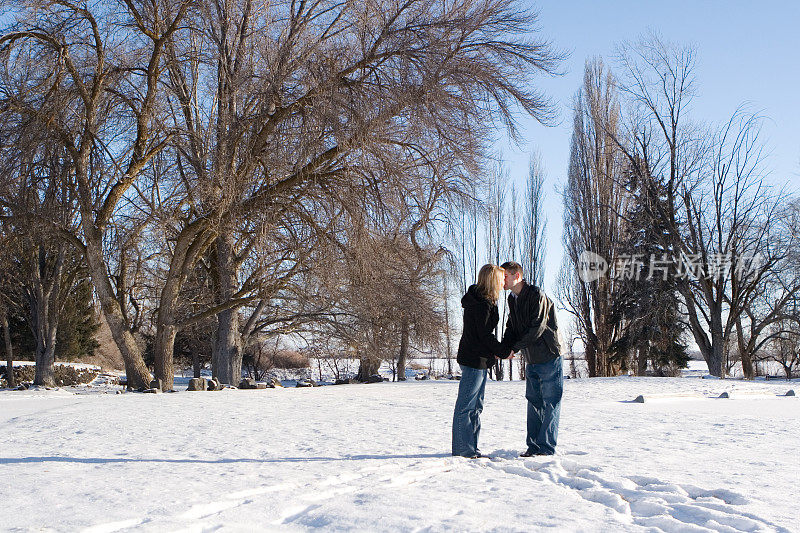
point(544, 385)
point(466, 418)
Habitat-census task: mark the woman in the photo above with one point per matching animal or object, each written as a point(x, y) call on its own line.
point(476, 352)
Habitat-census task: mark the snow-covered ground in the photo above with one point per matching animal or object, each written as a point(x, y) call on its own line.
point(376, 458)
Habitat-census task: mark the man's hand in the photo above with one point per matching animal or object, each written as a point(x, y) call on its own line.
point(511, 355)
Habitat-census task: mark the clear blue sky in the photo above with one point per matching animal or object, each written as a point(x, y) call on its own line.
point(747, 52)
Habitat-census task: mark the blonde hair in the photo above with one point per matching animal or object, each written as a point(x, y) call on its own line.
point(487, 282)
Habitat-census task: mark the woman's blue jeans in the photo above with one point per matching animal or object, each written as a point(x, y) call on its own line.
point(466, 418)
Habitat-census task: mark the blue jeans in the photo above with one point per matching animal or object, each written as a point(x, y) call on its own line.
point(469, 404)
point(544, 385)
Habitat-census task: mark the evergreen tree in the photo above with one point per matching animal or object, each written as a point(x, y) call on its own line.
point(652, 303)
point(77, 325)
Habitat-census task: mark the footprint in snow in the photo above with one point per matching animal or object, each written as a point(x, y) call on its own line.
point(645, 501)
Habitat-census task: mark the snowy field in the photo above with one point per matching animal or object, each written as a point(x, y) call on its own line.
point(376, 458)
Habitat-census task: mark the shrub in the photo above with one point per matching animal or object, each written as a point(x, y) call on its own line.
point(64, 375)
point(260, 359)
point(290, 359)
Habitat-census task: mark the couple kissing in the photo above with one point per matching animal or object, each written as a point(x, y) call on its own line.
point(531, 333)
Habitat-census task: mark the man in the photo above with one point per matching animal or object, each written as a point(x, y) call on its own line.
point(532, 330)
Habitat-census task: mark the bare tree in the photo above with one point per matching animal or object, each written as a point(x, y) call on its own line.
point(594, 205)
point(40, 206)
point(8, 348)
point(6, 303)
point(718, 211)
point(765, 289)
point(534, 223)
point(512, 251)
point(533, 230)
point(390, 305)
point(466, 238)
point(96, 76)
point(762, 295)
point(447, 333)
point(338, 99)
point(497, 233)
point(384, 310)
point(783, 347)
point(210, 113)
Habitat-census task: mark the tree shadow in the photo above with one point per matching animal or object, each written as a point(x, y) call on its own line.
point(110, 460)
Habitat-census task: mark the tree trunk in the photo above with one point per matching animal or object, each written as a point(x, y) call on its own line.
point(136, 371)
point(713, 360)
point(227, 347)
point(9, 351)
point(706, 346)
point(591, 360)
point(196, 363)
point(45, 355)
point(227, 356)
point(44, 314)
point(643, 354)
point(368, 366)
point(711, 349)
point(590, 350)
point(163, 348)
point(716, 356)
point(744, 351)
point(403, 357)
point(447, 327)
point(189, 245)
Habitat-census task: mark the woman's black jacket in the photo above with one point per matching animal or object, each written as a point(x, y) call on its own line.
point(479, 346)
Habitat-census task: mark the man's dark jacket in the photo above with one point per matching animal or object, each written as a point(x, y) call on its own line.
point(479, 346)
point(531, 327)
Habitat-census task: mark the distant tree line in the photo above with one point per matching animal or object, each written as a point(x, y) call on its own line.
point(695, 243)
point(211, 174)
